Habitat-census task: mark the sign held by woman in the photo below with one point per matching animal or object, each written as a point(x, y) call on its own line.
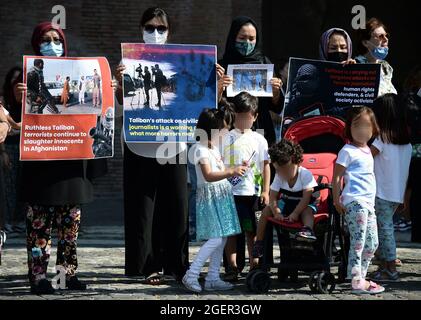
point(67, 113)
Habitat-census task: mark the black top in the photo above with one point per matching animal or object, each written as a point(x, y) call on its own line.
point(232, 56)
point(60, 182)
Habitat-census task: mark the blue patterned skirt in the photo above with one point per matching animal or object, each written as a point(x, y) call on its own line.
point(216, 215)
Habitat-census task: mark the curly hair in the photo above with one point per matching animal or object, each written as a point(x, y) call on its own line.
point(286, 151)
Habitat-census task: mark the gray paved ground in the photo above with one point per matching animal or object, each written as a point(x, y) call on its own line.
point(101, 260)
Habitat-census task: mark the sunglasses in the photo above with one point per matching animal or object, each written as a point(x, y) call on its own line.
point(151, 28)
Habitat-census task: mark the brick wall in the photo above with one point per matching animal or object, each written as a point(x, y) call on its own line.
point(97, 27)
point(290, 28)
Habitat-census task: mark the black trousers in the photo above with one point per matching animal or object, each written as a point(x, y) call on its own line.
point(155, 216)
point(415, 202)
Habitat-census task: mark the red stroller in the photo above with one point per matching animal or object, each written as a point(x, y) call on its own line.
point(321, 137)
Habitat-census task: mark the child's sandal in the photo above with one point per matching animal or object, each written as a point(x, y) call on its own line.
point(373, 288)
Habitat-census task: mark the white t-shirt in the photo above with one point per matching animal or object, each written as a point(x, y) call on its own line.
point(360, 183)
point(249, 146)
point(212, 156)
point(391, 167)
point(304, 181)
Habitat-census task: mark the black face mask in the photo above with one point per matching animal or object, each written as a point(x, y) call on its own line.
point(337, 56)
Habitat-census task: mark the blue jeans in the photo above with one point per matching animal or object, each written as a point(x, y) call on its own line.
point(192, 201)
point(387, 244)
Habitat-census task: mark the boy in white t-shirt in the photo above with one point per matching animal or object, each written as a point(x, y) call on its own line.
point(243, 146)
point(296, 185)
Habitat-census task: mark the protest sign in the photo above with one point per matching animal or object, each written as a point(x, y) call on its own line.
point(68, 109)
point(165, 89)
point(328, 88)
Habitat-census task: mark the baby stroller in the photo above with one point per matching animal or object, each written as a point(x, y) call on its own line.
point(321, 137)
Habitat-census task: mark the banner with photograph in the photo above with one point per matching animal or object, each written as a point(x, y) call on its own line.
point(68, 109)
point(328, 88)
point(165, 88)
point(251, 78)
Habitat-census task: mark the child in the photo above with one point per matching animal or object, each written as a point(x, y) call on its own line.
point(243, 146)
point(228, 112)
point(392, 157)
point(216, 216)
point(356, 164)
point(296, 185)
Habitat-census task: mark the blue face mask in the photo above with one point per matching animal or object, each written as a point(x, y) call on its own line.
point(244, 47)
point(380, 53)
point(51, 49)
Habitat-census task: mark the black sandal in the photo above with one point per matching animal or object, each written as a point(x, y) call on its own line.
point(73, 283)
point(231, 275)
point(42, 287)
point(154, 279)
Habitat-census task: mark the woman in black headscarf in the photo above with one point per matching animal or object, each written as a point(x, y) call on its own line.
point(243, 47)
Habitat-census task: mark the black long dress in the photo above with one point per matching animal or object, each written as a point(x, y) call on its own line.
point(58, 183)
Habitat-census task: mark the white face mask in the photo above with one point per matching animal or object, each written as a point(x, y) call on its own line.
point(155, 37)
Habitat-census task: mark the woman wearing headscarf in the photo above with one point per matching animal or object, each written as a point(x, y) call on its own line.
point(54, 192)
point(336, 46)
point(243, 46)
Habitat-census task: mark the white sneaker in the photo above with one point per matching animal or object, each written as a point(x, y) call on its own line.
point(192, 284)
point(218, 285)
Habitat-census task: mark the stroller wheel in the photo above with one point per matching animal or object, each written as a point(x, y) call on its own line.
point(312, 282)
point(260, 282)
point(325, 282)
point(282, 274)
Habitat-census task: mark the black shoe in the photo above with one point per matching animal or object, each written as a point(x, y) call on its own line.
point(75, 284)
point(231, 274)
point(43, 287)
